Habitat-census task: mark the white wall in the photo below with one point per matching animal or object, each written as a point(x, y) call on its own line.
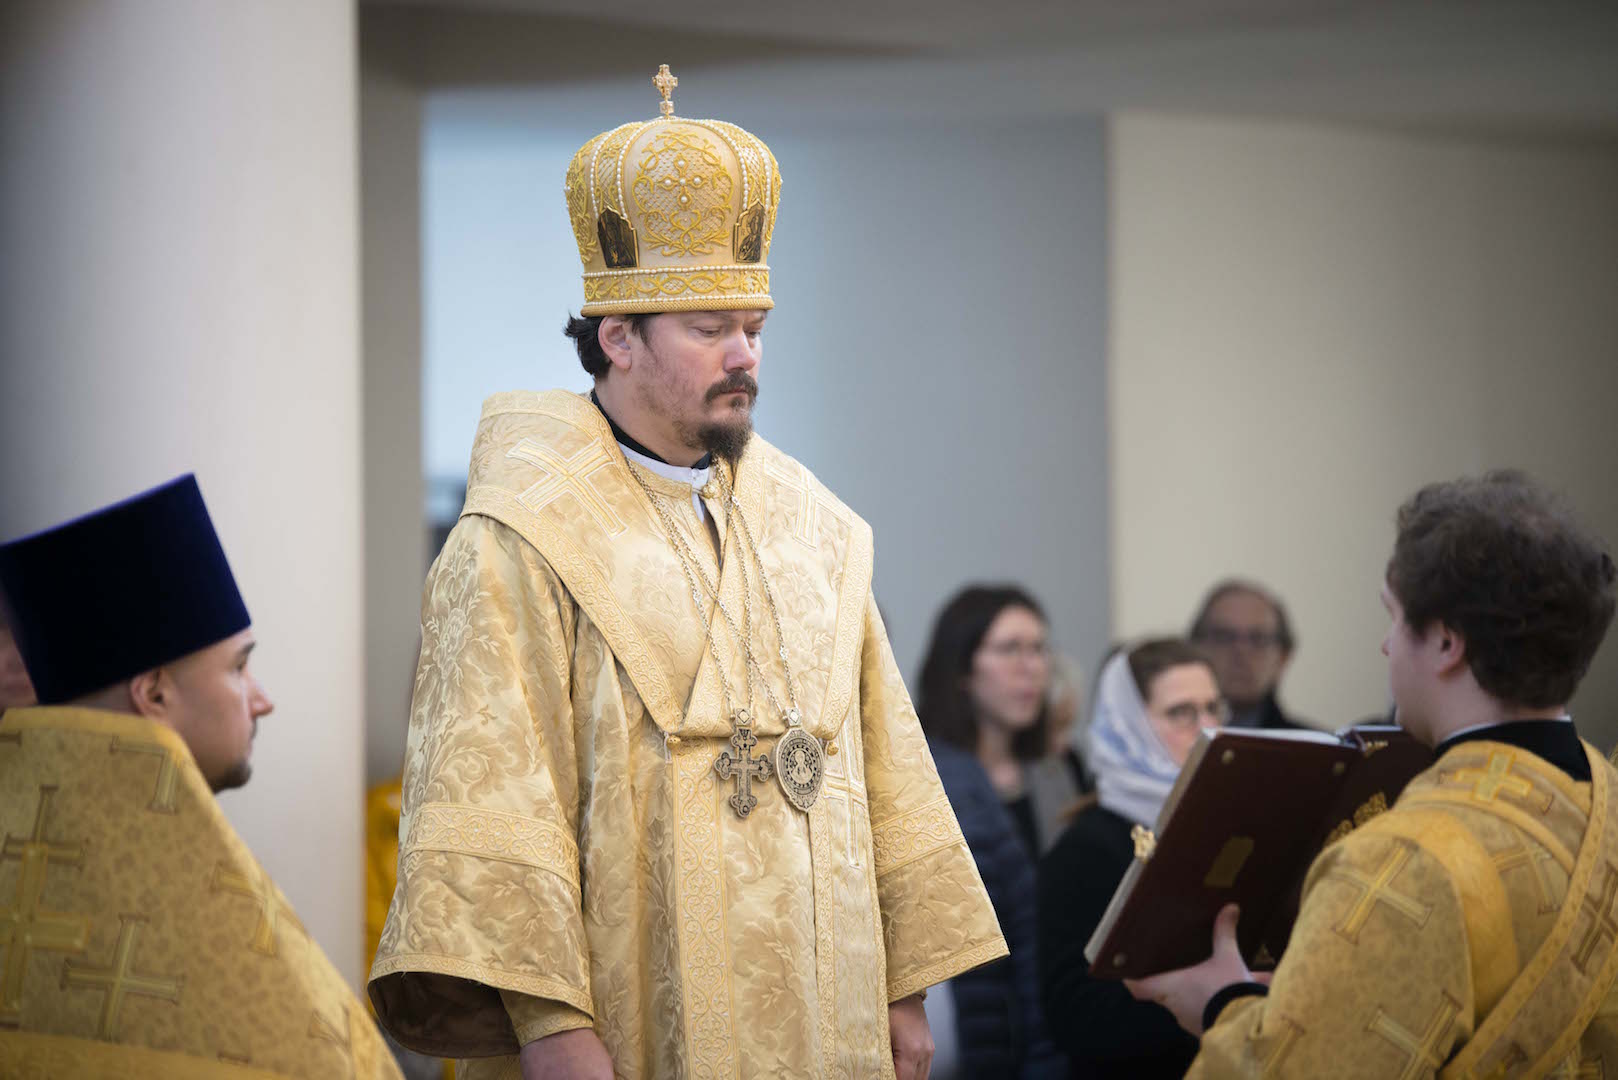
point(936, 355)
point(1308, 323)
point(178, 293)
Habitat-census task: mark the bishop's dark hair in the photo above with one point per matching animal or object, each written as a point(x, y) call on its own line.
point(586, 334)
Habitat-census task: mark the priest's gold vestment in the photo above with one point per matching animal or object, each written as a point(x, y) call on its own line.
point(1468, 932)
point(141, 938)
point(565, 836)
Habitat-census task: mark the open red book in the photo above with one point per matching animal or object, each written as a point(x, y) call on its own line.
point(1246, 818)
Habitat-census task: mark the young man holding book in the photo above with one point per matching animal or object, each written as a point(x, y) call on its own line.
point(1472, 929)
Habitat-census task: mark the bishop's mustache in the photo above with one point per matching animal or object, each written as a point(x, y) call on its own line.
point(740, 382)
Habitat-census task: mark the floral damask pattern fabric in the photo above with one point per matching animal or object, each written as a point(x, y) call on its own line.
point(140, 936)
point(564, 833)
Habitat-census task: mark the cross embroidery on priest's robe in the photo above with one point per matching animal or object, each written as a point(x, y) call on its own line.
point(356, 1050)
point(1498, 777)
point(270, 909)
point(26, 927)
point(1378, 890)
point(167, 776)
point(120, 979)
point(1603, 926)
point(1519, 855)
point(1425, 1050)
point(1283, 1046)
point(1578, 1067)
point(570, 475)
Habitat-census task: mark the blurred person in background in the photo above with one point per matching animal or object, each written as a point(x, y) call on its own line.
point(986, 689)
point(1245, 630)
point(1151, 703)
point(982, 703)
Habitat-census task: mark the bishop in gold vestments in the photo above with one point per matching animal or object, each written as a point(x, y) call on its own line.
point(567, 850)
point(1468, 932)
point(588, 839)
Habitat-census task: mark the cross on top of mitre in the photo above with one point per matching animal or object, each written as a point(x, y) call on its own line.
point(665, 84)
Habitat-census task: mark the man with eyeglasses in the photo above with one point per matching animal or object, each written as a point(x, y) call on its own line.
point(1244, 629)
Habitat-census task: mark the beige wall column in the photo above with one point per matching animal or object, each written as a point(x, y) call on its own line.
point(178, 291)
point(1310, 322)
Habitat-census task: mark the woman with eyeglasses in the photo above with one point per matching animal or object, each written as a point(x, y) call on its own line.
point(982, 703)
point(1151, 703)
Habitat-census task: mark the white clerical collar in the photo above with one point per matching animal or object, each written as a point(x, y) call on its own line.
point(680, 474)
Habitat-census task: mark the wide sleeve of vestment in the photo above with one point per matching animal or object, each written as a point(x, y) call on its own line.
point(1378, 979)
point(488, 895)
point(937, 920)
point(1095, 1021)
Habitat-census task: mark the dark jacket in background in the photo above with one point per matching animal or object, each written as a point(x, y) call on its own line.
point(1103, 1030)
point(997, 1010)
point(1269, 716)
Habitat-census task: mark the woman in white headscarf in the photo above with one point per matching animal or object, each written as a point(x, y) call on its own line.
point(1151, 703)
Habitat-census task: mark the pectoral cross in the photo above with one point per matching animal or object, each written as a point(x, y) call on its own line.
point(743, 766)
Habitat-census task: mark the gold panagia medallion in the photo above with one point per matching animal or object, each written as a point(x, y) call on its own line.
point(800, 767)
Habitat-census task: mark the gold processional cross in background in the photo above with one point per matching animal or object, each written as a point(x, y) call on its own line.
point(743, 766)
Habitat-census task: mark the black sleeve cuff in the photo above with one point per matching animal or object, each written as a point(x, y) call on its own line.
point(1217, 1003)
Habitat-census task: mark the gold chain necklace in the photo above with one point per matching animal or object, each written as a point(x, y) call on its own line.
point(800, 759)
point(737, 763)
point(799, 756)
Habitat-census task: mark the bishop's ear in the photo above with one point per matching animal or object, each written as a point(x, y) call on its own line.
point(614, 339)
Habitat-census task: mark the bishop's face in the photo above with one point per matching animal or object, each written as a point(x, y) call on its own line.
point(696, 371)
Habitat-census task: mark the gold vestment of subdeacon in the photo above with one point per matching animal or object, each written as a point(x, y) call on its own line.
point(565, 839)
point(1471, 931)
point(141, 938)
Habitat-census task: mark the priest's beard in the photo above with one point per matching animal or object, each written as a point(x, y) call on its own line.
point(234, 777)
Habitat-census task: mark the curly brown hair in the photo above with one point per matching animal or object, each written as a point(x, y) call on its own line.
point(1502, 562)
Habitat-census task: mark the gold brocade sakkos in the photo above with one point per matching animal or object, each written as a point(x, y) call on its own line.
point(566, 839)
point(141, 938)
point(1471, 931)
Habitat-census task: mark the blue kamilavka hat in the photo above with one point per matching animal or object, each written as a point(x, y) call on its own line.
point(120, 591)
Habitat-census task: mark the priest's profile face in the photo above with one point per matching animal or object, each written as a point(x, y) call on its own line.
point(212, 700)
point(694, 372)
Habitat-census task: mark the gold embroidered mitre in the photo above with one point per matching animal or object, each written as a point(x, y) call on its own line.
point(673, 215)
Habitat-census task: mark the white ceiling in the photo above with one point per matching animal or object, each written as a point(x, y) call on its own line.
point(1509, 66)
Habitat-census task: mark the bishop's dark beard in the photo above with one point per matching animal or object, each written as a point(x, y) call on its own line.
point(727, 441)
